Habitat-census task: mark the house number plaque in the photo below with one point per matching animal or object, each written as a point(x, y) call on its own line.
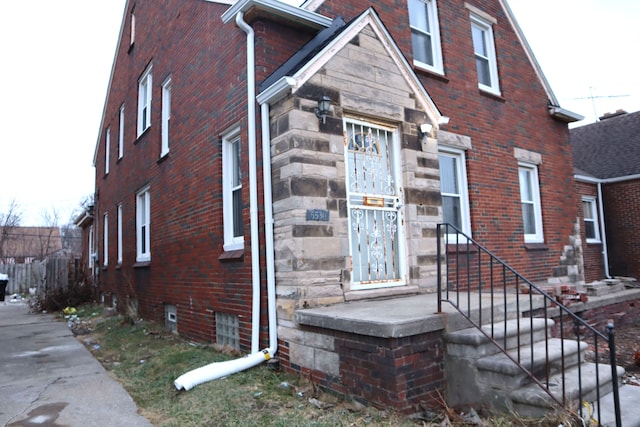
point(317, 215)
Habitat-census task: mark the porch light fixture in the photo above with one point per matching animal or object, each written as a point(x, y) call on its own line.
point(424, 129)
point(324, 104)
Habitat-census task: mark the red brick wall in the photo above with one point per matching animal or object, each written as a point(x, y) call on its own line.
point(592, 252)
point(622, 219)
point(398, 373)
point(206, 60)
point(496, 125)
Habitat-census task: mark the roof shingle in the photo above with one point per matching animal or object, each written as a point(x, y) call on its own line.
point(609, 148)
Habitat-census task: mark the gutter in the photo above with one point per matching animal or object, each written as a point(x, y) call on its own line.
point(278, 8)
point(218, 370)
point(605, 250)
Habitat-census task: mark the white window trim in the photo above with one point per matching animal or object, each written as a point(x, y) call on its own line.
point(166, 117)
point(594, 213)
point(119, 225)
point(107, 149)
point(538, 237)
point(105, 239)
point(143, 196)
point(121, 132)
point(92, 250)
point(464, 189)
point(145, 91)
point(487, 29)
point(436, 46)
point(231, 242)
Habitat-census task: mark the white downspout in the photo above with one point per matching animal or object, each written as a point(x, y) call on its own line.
point(605, 251)
point(268, 230)
point(253, 182)
point(222, 369)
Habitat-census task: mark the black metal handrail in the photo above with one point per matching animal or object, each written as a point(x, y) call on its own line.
point(471, 268)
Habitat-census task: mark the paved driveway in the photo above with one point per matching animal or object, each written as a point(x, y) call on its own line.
point(49, 379)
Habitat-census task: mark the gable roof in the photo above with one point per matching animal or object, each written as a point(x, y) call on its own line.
point(301, 67)
point(608, 149)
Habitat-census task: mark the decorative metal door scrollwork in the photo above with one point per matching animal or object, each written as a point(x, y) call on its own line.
point(374, 205)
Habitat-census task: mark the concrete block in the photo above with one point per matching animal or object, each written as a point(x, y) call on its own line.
point(327, 362)
point(301, 355)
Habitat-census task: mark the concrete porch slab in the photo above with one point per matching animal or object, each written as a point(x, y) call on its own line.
point(411, 315)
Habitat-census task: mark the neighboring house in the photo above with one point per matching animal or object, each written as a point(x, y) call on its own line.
point(84, 221)
point(606, 155)
point(23, 245)
point(206, 202)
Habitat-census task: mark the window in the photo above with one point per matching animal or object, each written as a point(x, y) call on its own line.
point(107, 148)
point(92, 254)
point(105, 240)
point(485, 54)
point(143, 217)
point(425, 34)
point(132, 33)
point(530, 199)
point(144, 101)
point(119, 225)
point(453, 188)
point(590, 212)
point(166, 117)
point(121, 132)
point(232, 188)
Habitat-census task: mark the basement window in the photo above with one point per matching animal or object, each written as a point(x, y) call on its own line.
point(171, 317)
point(227, 330)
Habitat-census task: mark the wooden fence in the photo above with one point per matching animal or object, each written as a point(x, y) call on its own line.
point(50, 274)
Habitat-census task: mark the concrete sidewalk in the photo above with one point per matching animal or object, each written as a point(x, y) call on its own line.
point(50, 379)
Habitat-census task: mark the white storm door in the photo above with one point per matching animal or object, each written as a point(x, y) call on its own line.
point(376, 236)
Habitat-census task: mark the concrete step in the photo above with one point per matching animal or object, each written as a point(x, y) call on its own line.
point(498, 370)
point(471, 343)
point(532, 401)
point(629, 407)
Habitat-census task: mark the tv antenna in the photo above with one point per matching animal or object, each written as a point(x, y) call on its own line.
point(593, 97)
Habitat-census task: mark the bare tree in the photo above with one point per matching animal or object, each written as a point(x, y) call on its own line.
point(9, 220)
point(48, 233)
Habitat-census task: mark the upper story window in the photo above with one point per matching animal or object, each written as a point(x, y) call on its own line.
point(485, 53)
point(530, 200)
point(121, 132)
point(232, 191)
point(107, 149)
point(166, 117)
point(425, 35)
point(453, 188)
point(590, 213)
point(132, 31)
point(143, 222)
point(145, 87)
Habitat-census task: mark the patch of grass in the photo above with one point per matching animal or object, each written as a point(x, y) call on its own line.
point(146, 358)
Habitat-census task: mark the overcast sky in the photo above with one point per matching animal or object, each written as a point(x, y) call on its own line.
point(57, 56)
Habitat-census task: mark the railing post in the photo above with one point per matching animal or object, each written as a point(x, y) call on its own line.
point(614, 373)
point(439, 261)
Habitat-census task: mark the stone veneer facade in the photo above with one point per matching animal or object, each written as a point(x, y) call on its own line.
point(312, 258)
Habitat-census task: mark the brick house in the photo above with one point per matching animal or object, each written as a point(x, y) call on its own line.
point(209, 208)
point(607, 162)
point(84, 221)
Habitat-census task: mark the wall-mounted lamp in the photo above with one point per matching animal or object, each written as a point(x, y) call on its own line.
point(424, 129)
point(324, 104)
